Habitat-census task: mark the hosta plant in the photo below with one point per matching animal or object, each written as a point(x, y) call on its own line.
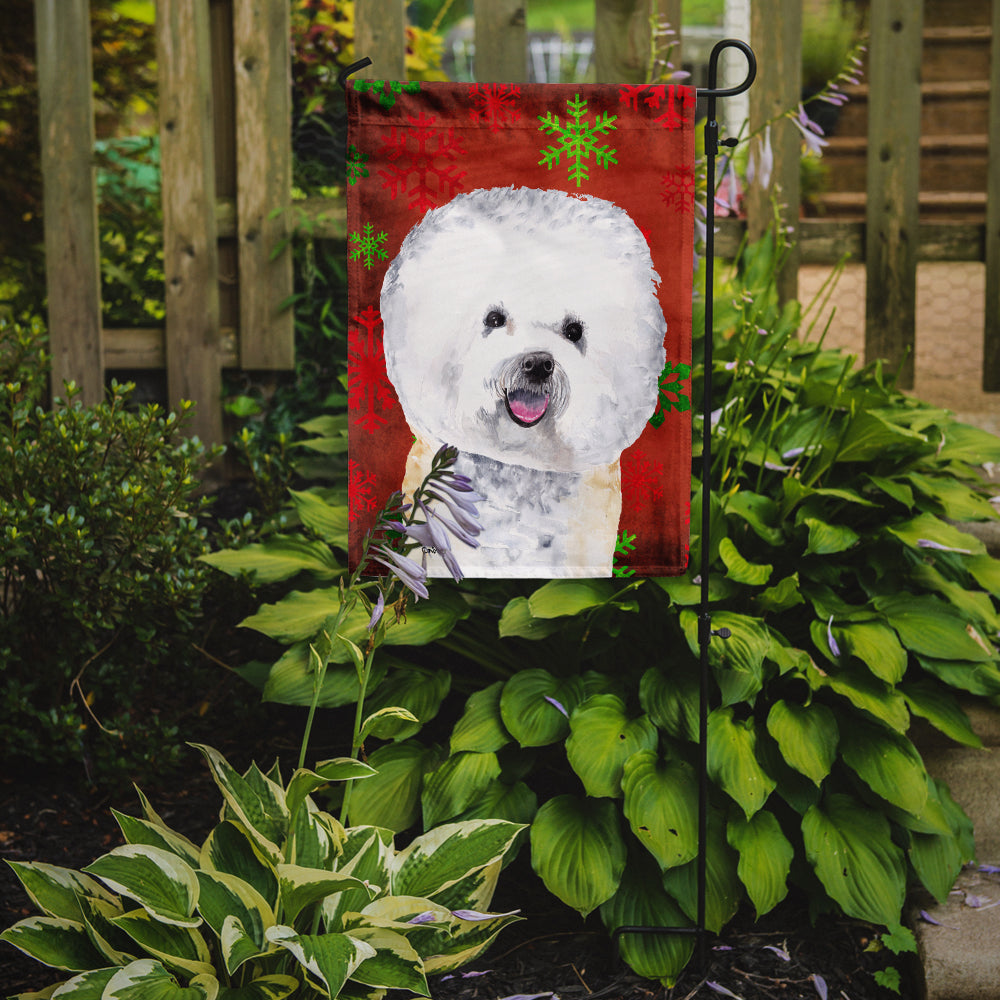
point(279, 900)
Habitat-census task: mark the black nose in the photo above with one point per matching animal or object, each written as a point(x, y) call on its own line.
point(537, 366)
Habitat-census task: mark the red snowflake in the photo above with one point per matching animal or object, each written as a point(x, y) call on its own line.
point(493, 103)
point(678, 188)
point(360, 491)
point(678, 100)
point(431, 163)
point(642, 477)
point(368, 387)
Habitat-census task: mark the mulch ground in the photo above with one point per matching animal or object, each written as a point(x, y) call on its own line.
point(551, 952)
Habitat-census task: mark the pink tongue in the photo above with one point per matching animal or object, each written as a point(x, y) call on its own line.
point(527, 408)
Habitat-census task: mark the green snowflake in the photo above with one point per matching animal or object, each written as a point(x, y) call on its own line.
point(624, 547)
point(356, 161)
point(368, 247)
point(578, 140)
point(672, 394)
point(386, 90)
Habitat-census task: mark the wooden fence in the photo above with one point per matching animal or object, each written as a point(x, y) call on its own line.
point(226, 161)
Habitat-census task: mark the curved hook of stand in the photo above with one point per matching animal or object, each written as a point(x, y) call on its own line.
point(348, 70)
point(713, 90)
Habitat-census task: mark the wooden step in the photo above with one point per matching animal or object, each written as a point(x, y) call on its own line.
point(940, 13)
point(956, 53)
point(958, 206)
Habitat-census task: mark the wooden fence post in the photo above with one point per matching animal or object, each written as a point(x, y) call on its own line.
point(72, 255)
point(991, 332)
point(380, 34)
point(892, 215)
point(501, 41)
point(776, 35)
point(262, 61)
point(621, 40)
point(190, 252)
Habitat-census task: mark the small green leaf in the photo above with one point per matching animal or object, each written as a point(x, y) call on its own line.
point(827, 539)
point(738, 569)
point(936, 704)
point(732, 760)
point(888, 763)
point(481, 727)
point(517, 620)
point(535, 706)
point(279, 558)
point(765, 858)
point(671, 699)
point(807, 736)
point(559, 598)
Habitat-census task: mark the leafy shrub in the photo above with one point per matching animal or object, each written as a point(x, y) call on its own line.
point(99, 539)
point(279, 899)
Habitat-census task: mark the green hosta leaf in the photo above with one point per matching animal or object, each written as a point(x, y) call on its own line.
point(928, 528)
point(976, 605)
point(783, 595)
point(141, 831)
point(441, 857)
point(684, 593)
point(850, 847)
point(147, 979)
point(456, 784)
point(957, 501)
point(481, 728)
point(225, 897)
point(578, 851)
point(180, 948)
point(941, 709)
point(54, 941)
point(330, 959)
point(765, 858)
point(516, 803)
point(965, 443)
point(260, 809)
point(758, 511)
point(738, 661)
point(274, 987)
point(391, 798)
point(279, 558)
point(558, 598)
point(732, 760)
point(869, 436)
point(893, 488)
point(292, 680)
point(395, 964)
point(56, 891)
point(329, 521)
point(602, 738)
point(415, 689)
point(301, 887)
point(661, 799)
point(159, 881)
point(517, 620)
point(827, 539)
point(807, 736)
point(723, 889)
point(888, 763)
point(876, 646)
point(671, 700)
point(937, 859)
point(231, 850)
point(738, 569)
point(865, 692)
point(932, 628)
point(976, 678)
point(986, 571)
point(530, 706)
point(641, 901)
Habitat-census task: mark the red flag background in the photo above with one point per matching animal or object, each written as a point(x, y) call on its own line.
point(520, 208)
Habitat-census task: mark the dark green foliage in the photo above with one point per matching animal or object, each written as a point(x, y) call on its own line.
point(99, 539)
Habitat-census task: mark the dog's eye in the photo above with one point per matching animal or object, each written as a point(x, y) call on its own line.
point(572, 330)
point(495, 319)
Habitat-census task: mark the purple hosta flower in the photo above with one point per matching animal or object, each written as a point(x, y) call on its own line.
point(727, 198)
point(812, 134)
point(558, 705)
point(760, 165)
point(820, 983)
point(411, 574)
point(475, 915)
point(990, 869)
point(780, 952)
point(427, 917)
point(927, 543)
point(719, 988)
point(461, 504)
point(377, 611)
point(831, 642)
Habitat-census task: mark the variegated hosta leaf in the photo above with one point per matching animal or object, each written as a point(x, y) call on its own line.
point(300, 887)
point(86, 986)
point(315, 838)
point(807, 736)
point(225, 897)
point(578, 851)
point(304, 782)
point(158, 880)
point(642, 902)
point(141, 831)
point(395, 964)
point(329, 959)
point(535, 706)
point(273, 987)
point(888, 763)
point(367, 853)
point(441, 857)
point(466, 941)
point(850, 847)
point(177, 947)
point(256, 801)
point(475, 891)
point(602, 737)
point(456, 784)
point(732, 760)
point(147, 979)
point(54, 941)
point(230, 849)
point(56, 891)
point(98, 915)
point(661, 800)
point(481, 727)
point(765, 858)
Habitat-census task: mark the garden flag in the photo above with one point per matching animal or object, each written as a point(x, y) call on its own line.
point(520, 269)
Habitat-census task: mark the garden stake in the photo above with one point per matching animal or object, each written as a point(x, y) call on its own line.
point(705, 630)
